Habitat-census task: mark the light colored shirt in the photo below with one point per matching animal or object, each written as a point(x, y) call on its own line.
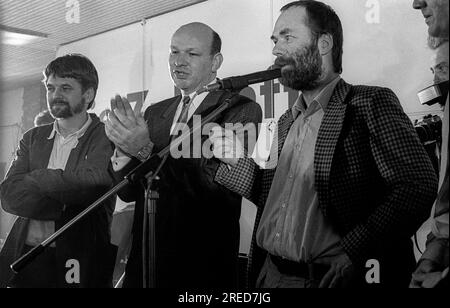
point(292, 225)
point(39, 230)
point(439, 223)
point(118, 162)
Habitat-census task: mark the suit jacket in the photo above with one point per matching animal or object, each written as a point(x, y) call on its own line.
point(197, 220)
point(373, 177)
point(31, 191)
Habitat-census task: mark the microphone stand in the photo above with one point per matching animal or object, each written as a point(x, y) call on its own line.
point(139, 172)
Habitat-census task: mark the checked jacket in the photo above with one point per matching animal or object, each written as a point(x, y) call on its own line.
point(373, 177)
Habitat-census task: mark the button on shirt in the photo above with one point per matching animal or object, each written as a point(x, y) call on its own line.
point(38, 230)
point(292, 225)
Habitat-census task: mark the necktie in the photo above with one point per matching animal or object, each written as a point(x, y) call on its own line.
point(185, 110)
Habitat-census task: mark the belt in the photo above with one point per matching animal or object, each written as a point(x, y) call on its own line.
point(300, 269)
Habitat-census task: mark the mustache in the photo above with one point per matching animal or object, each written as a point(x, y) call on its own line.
point(58, 101)
point(283, 61)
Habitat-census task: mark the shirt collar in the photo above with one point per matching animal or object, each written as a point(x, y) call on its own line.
point(197, 99)
point(322, 98)
point(78, 133)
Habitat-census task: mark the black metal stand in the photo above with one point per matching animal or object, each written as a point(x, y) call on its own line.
point(149, 232)
point(143, 170)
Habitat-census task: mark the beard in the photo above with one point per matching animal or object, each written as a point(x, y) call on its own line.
point(61, 109)
point(302, 70)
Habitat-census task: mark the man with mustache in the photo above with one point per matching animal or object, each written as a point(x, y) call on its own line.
point(197, 222)
point(352, 182)
point(59, 170)
point(433, 265)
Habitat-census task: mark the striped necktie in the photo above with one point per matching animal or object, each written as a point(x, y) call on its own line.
point(184, 112)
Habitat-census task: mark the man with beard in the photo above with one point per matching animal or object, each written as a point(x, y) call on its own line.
point(352, 182)
point(59, 170)
point(432, 268)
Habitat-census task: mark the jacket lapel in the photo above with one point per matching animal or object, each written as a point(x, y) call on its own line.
point(327, 138)
point(284, 124)
point(41, 153)
point(160, 133)
point(170, 111)
point(209, 103)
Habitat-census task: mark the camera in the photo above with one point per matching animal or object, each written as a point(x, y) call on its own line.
point(429, 129)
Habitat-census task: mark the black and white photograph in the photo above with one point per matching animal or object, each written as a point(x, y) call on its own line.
point(222, 149)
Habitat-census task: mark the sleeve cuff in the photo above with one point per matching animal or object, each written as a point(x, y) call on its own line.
point(118, 162)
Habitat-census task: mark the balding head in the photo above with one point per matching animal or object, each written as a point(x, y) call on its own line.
point(194, 56)
point(204, 32)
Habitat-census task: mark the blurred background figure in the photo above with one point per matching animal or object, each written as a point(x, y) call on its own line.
point(42, 118)
point(439, 66)
point(432, 267)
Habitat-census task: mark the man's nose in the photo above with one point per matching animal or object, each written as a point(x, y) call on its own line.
point(437, 78)
point(180, 60)
point(277, 51)
point(57, 93)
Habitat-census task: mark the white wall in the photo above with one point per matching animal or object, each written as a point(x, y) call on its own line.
point(384, 44)
point(10, 134)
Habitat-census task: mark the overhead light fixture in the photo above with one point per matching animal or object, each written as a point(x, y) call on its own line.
point(19, 37)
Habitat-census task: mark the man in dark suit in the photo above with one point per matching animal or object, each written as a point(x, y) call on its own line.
point(352, 182)
point(60, 169)
point(197, 223)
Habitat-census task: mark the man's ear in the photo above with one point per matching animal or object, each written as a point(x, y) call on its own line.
point(325, 44)
point(89, 95)
point(217, 62)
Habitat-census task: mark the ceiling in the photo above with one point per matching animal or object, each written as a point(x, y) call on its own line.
point(20, 65)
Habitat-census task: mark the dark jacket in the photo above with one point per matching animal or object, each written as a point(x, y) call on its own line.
point(197, 227)
point(31, 191)
point(375, 182)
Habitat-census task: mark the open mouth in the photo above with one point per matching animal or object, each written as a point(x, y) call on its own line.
point(180, 74)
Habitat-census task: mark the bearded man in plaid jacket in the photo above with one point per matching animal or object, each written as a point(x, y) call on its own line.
point(352, 183)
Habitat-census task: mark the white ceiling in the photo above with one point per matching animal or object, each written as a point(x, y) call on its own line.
point(23, 64)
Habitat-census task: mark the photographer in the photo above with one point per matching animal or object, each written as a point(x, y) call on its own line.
point(432, 268)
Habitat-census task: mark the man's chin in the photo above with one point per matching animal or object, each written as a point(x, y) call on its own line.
point(60, 114)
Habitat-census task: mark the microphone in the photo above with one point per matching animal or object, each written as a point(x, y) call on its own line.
point(237, 83)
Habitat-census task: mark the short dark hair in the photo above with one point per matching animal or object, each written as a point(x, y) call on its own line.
point(43, 117)
point(74, 66)
point(216, 44)
point(322, 19)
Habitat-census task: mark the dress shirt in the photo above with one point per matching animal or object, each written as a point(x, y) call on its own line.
point(292, 225)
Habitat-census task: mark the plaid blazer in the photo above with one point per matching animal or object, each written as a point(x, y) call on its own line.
point(373, 177)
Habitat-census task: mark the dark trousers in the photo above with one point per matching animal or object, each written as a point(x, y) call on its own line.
point(40, 273)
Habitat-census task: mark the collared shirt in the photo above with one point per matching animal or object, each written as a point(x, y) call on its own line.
point(292, 225)
point(118, 162)
point(41, 230)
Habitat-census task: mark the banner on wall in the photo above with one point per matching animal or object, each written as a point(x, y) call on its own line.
point(381, 47)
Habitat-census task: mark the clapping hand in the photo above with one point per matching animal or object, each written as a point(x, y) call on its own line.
point(128, 131)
